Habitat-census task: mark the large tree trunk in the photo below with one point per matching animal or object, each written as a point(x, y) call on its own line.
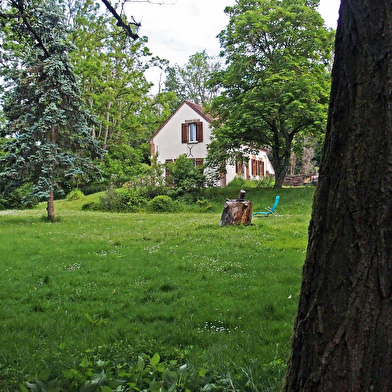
point(281, 161)
point(343, 330)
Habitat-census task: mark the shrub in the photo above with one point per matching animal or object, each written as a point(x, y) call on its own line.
point(89, 189)
point(91, 206)
point(184, 175)
point(163, 203)
point(18, 198)
point(75, 194)
point(204, 204)
point(125, 199)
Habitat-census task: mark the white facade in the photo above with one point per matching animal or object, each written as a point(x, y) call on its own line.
point(188, 132)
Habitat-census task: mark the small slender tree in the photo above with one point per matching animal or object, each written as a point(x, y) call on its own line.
point(49, 141)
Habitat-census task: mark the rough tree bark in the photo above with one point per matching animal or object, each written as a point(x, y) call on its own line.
point(343, 330)
point(237, 211)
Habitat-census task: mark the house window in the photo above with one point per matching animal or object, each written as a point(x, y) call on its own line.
point(238, 165)
point(192, 132)
point(261, 168)
point(199, 162)
point(254, 167)
point(167, 172)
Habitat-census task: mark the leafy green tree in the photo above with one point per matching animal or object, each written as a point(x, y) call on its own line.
point(112, 75)
point(191, 81)
point(50, 142)
point(276, 81)
point(113, 83)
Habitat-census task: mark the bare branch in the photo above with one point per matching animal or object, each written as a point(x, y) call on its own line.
point(150, 2)
point(120, 22)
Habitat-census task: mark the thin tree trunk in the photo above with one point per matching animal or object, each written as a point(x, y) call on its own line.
point(93, 134)
point(50, 207)
point(105, 140)
point(343, 330)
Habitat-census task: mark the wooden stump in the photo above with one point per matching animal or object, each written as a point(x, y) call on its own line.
point(237, 211)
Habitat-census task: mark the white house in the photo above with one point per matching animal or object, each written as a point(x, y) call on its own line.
point(188, 131)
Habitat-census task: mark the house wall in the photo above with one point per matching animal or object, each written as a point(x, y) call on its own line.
point(167, 142)
point(246, 171)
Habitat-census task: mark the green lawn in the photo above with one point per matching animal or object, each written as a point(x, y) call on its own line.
point(116, 285)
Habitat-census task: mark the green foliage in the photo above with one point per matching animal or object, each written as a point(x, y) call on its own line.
point(75, 194)
point(121, 164)
point(124, 199)
point(191, 81)
point(163, 203)
point(276, 83)
point(113, 83)
point(147, 373)
point(49, 142)
point(184, 176)
point(19, 198)
point(204, 204)
point(91, 206)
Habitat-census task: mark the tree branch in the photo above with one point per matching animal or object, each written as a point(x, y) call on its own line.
point(120, 22)
point(10, 16)
point(19, 5)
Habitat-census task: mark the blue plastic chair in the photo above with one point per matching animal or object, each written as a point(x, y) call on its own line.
point(270, 211)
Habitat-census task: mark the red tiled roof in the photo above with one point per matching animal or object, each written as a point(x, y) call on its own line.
point(200, 110)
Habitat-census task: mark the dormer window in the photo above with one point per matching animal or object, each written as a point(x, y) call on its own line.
point(192, 132)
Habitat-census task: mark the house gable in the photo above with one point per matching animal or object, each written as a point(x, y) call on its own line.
point(194, 106)
point(188, 132)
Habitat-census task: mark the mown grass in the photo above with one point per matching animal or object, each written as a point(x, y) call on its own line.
point(115, 285)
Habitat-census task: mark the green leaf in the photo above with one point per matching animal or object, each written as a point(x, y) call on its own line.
point(85, 362)
point(155, 359)
point(155, 386)
point(44, 374)
point(105, 388)
point(23, 388)
point(140, 363)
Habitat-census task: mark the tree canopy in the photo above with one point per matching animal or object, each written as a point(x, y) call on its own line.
point(191, 81)
point(49, 139)
point(276, 81)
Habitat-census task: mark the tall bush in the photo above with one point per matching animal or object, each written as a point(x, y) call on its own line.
point(184, 175)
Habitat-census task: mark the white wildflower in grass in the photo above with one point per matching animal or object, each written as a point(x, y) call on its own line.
point(73, 267)
point(141, 280)
point(216, 326)
point(154, 248)
point(101, 253)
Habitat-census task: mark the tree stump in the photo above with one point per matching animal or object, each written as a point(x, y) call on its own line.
point(237, 211)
